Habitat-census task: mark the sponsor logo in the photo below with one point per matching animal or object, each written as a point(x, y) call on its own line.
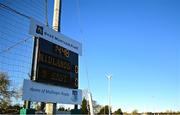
point(39, 30)
point(74, 96)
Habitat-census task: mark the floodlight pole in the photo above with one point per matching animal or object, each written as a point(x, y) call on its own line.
point(57, 15)
point(109, 92)
point(51, 108)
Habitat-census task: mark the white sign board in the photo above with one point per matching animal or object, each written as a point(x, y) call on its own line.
point(38, 92)
point(38, 29)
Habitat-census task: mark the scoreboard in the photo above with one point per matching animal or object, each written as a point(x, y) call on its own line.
point(55, 56)
point(56, 65)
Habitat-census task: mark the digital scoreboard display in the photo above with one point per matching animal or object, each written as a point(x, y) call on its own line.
point(56, 65)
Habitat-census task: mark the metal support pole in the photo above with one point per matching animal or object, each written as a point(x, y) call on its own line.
point(57, 15)
point(51, 107)
point(46, 13)
point(75, 106)
point(90, 103)
point(35, 56)
point(109, 92)
point(27, 104)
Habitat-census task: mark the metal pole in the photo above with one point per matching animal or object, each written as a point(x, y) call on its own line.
point(46, 13)
point(90, 103)
point(35, 57)
point(57, 15)
point(109, 93)
point(27, 104)
point(109, 96)
point(51, 108)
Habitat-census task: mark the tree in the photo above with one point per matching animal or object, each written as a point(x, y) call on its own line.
point(4, 86)
point(104, 110)
point(84, 107)
point(118, 112)
point(13, 109)
point(96, 107)
point(61, 109)
point(5, 93)
point(135, 112)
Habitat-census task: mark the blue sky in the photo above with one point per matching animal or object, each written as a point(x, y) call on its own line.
point(137, 41)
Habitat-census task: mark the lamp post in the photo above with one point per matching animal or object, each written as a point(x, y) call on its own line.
point(109, 92)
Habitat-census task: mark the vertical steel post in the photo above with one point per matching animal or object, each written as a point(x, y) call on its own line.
point(51, 107)
point(27, 104)
point(57, 15)
point(109, 92)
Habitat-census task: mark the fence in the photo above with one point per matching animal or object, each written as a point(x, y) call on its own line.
point(16, 45)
